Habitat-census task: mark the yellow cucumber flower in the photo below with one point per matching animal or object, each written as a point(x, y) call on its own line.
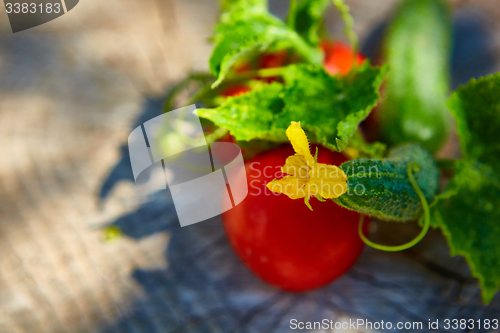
point(305, 176)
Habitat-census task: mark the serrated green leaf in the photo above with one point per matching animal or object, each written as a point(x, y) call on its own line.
point(252, 29)
point(329, 108)
point(468, 211)
point(469, 215)
point(251, 115)
point(476, 109)
point(308, 18)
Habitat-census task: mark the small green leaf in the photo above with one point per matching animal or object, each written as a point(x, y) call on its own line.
point(308, 18)
point(468, 211)
point(111, 233)
point(329, 108)
point(247, 29)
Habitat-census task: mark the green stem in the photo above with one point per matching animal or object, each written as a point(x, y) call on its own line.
point(291, 14)
point(206, 88)
point(216, 135)
point(199, 93)
point(413, 167)
point(264, 72)
point(169, 103)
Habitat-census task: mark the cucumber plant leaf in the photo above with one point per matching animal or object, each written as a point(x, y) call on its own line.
point(476, 109)
point(251, 115)
point(468, 211)
point(246, 29)
point(308, 18)
point(227, 5)
point(329, 108)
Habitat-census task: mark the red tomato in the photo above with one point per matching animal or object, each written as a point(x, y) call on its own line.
point(281, 240)
point(339, 57)
point(243, 67)
point(338, 60)
point(272, 60)
point(234, 90)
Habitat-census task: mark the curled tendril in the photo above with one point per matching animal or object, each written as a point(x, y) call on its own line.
point(413, 167)
point(343, 8)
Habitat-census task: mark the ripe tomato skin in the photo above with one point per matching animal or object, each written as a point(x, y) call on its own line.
point(339, 57)
point(281, 240)
point(234, 90)
point(273, 59)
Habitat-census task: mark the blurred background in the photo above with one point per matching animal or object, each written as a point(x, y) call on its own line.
point(71, 91)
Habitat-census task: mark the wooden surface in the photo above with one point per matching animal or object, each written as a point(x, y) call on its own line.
point(70, 92)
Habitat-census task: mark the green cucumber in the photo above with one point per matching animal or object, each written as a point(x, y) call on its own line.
point(381, 188)
point(418, 49)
